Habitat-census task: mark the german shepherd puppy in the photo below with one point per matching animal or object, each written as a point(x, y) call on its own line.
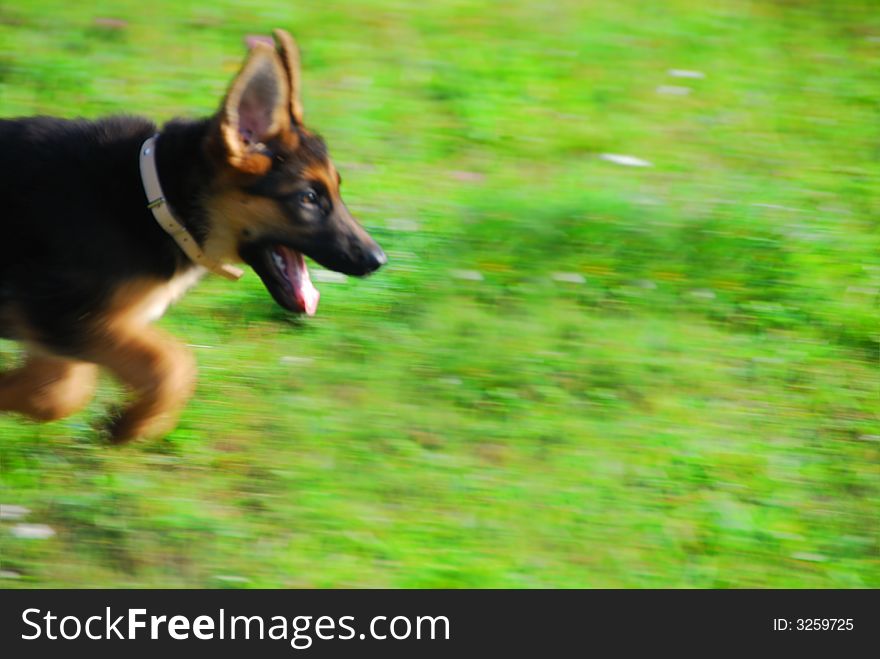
point(102, 228)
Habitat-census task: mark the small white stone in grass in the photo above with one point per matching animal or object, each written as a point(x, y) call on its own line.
point(768, 360)
point(11, 511)
point(809, 556)
point(329, 277)
point(293, 360)
point(685, 73)
point(467, 176)
point(357, 166)
point(32, 531)
point(232, 578)
point(626, 161)
point(673, 90)
point(569, 277)
point(9, 574)
point(777, 207)
point(870, 438)
point(111, 23)
point(702, 294)
point(862, 290)
point(402, 224)
point(470, 275)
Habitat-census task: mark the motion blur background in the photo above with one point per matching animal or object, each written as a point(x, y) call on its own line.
point(627, 337)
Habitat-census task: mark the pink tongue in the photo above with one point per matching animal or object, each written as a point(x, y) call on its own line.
point(307, 295)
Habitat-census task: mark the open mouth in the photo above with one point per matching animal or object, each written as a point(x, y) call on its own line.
point(283, 271)
point(293, 288)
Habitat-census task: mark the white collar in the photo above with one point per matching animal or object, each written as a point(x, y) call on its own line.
point(173, 227)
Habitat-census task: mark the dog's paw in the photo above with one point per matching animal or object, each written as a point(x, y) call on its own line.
point(121, 427)
point(122, 431)
point(118, 427)
point(112, 428)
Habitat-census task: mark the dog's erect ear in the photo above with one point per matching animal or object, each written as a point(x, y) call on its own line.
point(289, 53)
point(255, 109)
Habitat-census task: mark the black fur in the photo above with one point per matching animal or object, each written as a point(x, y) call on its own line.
point(75, 222)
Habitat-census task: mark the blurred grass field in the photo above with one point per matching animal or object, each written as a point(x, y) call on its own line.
point(572, 373)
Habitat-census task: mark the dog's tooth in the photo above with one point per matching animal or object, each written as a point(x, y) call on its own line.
point(281, 265)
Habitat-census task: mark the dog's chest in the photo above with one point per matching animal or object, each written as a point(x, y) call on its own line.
point(157, 300)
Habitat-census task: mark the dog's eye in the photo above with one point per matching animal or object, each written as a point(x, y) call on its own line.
point(308, 198)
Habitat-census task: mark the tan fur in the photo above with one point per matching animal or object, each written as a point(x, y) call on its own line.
point(234, 213)
point(261, 81)
point(325, 173)
point(144, 302)
point(289, 53)
point(159, 372)
point(47, 388)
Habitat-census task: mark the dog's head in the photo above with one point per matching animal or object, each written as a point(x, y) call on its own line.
point(277, 197)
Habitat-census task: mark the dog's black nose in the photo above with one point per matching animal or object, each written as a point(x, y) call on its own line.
point(375, 259)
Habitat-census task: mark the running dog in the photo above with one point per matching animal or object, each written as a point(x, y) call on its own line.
point(105, 223)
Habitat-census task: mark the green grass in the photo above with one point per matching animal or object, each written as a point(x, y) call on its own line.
point(701, 411)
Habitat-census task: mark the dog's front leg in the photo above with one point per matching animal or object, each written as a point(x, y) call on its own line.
point(160, 373)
